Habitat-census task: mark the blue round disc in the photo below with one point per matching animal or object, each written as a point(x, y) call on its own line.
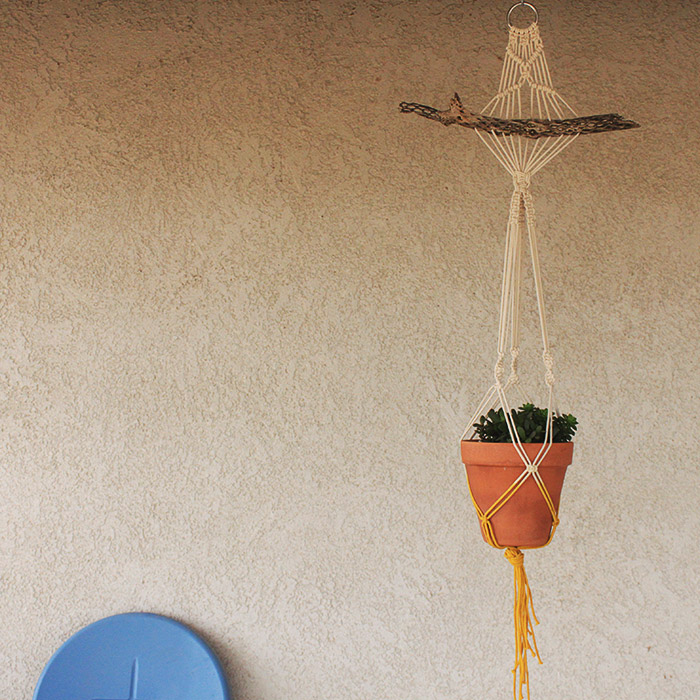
point(136, 656)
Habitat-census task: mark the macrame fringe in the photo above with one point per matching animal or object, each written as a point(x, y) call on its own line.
point(523, 616)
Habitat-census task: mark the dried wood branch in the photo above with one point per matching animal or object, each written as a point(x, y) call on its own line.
point(529, 128)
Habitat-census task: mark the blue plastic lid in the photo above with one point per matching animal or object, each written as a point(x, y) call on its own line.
point(136, 656)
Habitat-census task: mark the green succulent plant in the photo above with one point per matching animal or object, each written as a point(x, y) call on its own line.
point(530, 423)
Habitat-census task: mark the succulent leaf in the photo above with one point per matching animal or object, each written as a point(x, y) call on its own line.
point(530, 423)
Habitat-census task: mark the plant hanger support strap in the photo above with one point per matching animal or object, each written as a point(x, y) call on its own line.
point(525, 85)
point(526, 125)
point(525, 89)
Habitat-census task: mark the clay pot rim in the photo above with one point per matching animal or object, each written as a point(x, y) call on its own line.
point(505, 454)
point(525, 444)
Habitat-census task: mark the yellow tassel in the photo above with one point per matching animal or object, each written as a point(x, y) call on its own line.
point(524, 631)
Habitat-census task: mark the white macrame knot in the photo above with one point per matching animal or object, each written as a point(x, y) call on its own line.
point(548, 360)
point(514, 354)
point(499, 370)
point(521, 181)
point(530, 468)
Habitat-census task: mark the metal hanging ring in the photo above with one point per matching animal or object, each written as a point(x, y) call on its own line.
point(529, 6)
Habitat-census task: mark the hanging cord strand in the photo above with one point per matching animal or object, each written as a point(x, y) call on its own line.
point(515, 300)
point(523, 618)
point(547, 357)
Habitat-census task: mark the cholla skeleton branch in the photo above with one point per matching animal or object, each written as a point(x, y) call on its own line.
point(528, 128)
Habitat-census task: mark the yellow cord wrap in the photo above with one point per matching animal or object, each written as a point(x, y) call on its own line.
point(485, 516)
point(523, 616)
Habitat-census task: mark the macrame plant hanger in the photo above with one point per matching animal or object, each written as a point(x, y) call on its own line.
point(525, 126)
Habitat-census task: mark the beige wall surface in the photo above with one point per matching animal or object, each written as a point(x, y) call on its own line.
point(248, 307)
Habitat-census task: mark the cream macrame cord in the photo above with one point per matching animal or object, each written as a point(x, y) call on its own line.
point(526, 125)
point(524, 71)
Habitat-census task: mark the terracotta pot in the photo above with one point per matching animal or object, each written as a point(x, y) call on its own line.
point(525, 520)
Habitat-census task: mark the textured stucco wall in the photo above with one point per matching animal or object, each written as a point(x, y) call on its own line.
point(247, 308)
